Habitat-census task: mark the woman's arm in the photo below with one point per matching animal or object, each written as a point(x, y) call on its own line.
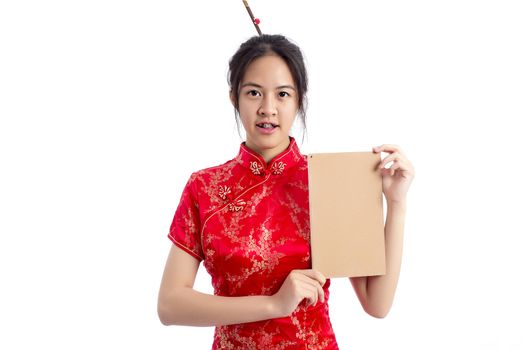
point(180, 304)
point(376, 293)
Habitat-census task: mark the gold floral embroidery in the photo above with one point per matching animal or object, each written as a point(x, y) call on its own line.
point(237, 205)
point(311, 334)
point(261, 249)
point(255, 168)
point(257, 198)
point(298, 214)
point(223, 191)
point(263, 336)
point(209, 181)
point(240, 336)
point(278, 168)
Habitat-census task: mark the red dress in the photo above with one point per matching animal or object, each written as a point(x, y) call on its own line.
point(249, 222)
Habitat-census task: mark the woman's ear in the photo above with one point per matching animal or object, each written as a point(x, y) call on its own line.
point(232, 98)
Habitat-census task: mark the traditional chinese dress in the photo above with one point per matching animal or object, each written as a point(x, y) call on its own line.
point(249, 222)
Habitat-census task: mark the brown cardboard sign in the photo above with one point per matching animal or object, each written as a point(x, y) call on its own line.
point(346, 214)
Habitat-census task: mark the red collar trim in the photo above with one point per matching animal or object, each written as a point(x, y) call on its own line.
point(277, 166)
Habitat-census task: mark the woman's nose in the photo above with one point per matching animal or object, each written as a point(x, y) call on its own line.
point(268, 106)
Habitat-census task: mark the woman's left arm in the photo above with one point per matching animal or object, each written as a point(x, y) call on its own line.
point(376, 293)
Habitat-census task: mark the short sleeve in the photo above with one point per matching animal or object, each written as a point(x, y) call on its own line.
point(185, 227)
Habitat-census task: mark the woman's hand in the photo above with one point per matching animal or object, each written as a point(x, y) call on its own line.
point(299, 284)
point(396, 179)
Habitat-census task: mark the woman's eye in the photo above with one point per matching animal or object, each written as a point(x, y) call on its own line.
point(256, 93)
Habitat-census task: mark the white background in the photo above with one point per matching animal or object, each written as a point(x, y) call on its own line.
point(108, 106)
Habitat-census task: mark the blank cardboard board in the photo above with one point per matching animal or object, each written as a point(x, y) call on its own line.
point(346, 214)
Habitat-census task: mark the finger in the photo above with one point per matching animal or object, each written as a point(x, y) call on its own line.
point(387, 148)
point(309, 292)
point(304, 291)
point(392, 157)
point(319, 283)
point(393, 168)
point(315, 284)
point(312, 283)
point(302, 278)
point(390, 171)
point(315, 274)
point(399, 164)
point(404, 166)
point(317, 288)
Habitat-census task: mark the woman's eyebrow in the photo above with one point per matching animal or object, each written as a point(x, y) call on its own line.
point(260, 86)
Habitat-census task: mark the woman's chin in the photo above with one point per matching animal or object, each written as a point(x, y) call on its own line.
point(268, 142)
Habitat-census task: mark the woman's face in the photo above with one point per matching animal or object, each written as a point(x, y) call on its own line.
point(267, 95)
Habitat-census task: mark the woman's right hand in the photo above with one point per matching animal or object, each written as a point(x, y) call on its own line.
point(299, 284)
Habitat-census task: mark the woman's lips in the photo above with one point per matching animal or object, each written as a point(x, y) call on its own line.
point(267, 131)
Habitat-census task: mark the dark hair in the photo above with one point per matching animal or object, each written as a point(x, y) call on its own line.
point(262, 45)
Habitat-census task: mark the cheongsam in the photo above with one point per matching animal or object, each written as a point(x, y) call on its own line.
point(249, 223)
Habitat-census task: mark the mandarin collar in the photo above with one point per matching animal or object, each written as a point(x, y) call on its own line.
point(276, 166)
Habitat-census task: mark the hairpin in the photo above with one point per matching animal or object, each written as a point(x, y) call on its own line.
point(256, 21)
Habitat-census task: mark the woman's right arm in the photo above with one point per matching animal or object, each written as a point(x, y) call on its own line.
point(180, 304)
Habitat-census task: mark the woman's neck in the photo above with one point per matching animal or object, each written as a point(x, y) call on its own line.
point(269, 153)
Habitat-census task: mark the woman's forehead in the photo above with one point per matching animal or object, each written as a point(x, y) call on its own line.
point(268, 67)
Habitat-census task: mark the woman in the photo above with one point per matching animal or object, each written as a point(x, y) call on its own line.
point(248, 220)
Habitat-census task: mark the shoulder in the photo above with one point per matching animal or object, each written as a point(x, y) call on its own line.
point(206, 174)
point(213, 170)
point(204, 184)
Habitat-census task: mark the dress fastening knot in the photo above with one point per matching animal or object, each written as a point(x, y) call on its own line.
point(223, 191)
point(237, 205)
point(256, 168)
point(278, 168)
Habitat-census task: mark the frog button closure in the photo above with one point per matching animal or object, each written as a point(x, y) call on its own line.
point(278, 168)
point(223, 191)
point(237, 205)
point(256, 168)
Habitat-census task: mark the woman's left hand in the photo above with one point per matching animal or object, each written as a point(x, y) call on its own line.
point(396, 179)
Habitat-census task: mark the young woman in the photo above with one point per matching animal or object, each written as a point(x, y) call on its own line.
point(248, 221)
